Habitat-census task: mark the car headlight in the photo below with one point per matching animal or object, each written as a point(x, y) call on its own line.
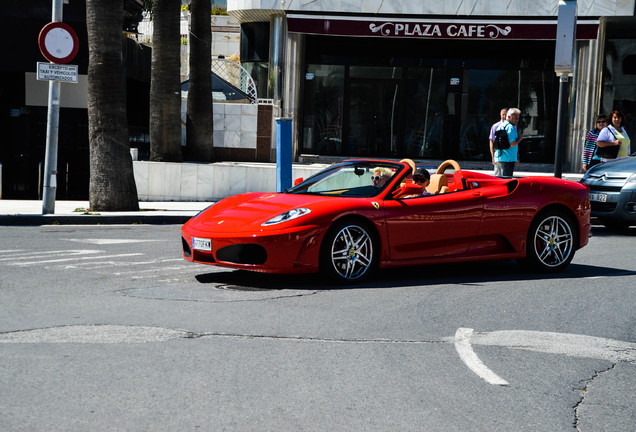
point(287, 216)
point(632, 178)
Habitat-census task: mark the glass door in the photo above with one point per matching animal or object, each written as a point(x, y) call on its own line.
point(373, 117)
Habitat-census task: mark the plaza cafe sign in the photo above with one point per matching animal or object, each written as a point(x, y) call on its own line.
point(439, 29)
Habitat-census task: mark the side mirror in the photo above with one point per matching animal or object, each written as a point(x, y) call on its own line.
point(298, 181)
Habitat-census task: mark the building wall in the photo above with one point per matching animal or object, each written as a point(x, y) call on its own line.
point(166, 181)
point(255, 10)
point(24, 99)
point(585, 85)
point(226, 36)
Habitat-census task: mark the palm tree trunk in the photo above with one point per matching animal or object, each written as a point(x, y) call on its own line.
point(112, 183)
point(200, 128)
point(165, 83)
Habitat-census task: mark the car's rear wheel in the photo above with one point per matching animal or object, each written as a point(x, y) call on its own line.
point(551, 240)
point(348, 252)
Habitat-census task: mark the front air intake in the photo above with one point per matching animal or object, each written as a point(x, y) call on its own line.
point(250, 254)
point(187, 251)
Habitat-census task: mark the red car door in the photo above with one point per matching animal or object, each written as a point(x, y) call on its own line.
point(433, 226)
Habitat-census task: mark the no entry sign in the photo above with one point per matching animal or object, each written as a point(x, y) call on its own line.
point(58, 42)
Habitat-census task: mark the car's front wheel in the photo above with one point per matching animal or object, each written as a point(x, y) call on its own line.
point(551, 242)
point(348, 252)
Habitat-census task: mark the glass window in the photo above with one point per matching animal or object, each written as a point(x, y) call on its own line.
point(373, 114)
point(619, 83)
point(426, 102)
point(361, 179)
point(426, 99)
point(486, 92)
point(258, 71)
point(375, 72)
point(324, 94)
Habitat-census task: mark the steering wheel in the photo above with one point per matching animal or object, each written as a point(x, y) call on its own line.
point(450, 162)
point(458, 177)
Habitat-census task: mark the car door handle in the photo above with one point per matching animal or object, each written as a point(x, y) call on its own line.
point(477, 193)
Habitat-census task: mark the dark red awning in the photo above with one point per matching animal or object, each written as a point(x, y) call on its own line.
point(427, 28)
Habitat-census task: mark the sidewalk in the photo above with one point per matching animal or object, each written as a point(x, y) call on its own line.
point(29, 212)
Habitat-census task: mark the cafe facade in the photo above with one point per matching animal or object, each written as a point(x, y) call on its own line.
point(426, 80)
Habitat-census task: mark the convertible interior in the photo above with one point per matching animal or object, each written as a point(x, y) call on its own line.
point(442, 183)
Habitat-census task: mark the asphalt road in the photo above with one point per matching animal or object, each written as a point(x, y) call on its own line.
point(107, 328)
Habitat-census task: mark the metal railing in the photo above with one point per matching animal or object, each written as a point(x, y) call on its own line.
point(235, 74)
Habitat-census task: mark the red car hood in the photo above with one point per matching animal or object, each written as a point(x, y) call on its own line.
point(246, 212)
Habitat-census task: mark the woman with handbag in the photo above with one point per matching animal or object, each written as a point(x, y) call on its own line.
point(590, 158)
point(613, 141)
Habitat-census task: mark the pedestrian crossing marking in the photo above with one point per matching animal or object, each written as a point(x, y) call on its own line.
point(107, 241)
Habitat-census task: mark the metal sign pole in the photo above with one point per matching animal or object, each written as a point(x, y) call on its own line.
point(564, 67)
point(561, 126)
point(53, 120)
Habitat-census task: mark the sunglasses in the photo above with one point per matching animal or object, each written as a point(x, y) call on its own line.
point(419, 179)
point(601, 121)
point(375, 178)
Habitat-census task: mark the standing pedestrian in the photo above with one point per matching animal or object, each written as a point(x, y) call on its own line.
point(612, 136)
point(507, 158)
point(502, 115)
point(590, 158)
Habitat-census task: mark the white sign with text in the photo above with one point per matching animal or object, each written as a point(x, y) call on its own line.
point(57, 72)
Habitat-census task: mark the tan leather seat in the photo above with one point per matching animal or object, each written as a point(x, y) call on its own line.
point(438, 184)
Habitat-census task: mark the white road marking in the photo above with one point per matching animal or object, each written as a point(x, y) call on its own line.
point(90, 265)
point(24, 264)
point(572, 345)
point(111, 241)
point(468, 356)
point(46, 254)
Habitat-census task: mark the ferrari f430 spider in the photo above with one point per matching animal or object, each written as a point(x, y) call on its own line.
point(360, 215)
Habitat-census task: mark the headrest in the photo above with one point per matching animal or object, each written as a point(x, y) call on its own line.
point(437, 182)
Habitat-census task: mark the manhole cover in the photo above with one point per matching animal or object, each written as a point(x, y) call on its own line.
point(243, 288)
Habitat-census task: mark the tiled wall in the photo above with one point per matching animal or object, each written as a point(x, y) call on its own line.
point(169, 181)
point(235, 125)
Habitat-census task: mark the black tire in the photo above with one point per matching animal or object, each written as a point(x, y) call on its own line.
point(551, 242)
point(348, 253)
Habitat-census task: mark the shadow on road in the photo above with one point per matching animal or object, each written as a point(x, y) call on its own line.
point(602, 231)
point(441, 274)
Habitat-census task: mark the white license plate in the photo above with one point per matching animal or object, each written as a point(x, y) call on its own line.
point(598, 197)
point(201, 244)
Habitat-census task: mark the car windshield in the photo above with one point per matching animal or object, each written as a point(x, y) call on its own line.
point(360, 179)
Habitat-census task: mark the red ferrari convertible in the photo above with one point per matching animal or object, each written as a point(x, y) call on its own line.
point(358, 215)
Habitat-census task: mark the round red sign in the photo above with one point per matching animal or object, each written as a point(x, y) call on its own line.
point(58, 42)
